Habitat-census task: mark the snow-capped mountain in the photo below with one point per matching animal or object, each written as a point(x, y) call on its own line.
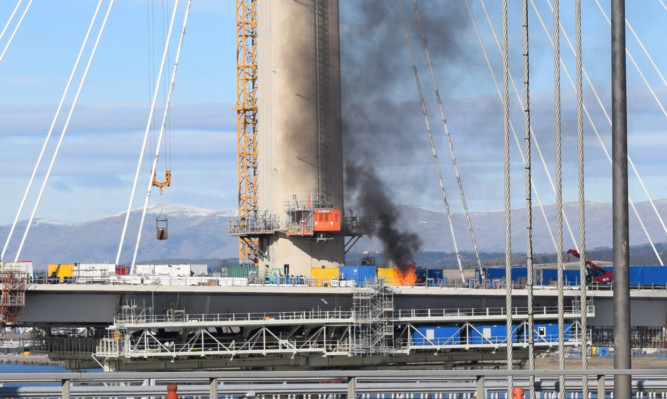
point(196, 233)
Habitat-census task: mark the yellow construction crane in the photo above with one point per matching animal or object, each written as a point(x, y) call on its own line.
point(246, 121)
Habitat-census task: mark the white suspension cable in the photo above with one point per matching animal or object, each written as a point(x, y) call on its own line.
point(655, 97)
point(16, 28)
point(143, 145)
point(163, 125)
point(62, 134)
point(533, 135)
point(582, 197)
point(48, 135)
point(449, 139)
point(430, 137)
point(514, 134)
point(559, 197)
point(597, 133)
point(663, 5)
point(11, 18)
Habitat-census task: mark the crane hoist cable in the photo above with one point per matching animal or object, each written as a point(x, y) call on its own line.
point(164, 115)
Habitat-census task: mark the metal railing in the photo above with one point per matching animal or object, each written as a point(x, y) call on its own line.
point(336, 384)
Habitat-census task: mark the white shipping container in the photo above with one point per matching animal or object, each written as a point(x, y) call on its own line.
point(134, 280)
point(181, 270)
point(145, 269)
point(199, 270)
point(24, 266)
point(110, 268)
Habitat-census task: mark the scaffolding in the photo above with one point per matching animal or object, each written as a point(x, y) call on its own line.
point(373, 330)
point(366, 334)
point(12, 301)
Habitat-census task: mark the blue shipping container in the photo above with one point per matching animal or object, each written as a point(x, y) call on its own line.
point(357, 273)
point(435, 274)
point(654, 275)
point(499, 272)
point(440, 335)
point(547, 276)
point(547, 333)
point(571, 277)
point(490, 334)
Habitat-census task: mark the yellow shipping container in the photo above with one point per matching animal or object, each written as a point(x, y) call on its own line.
point(61, 271)
point(323, 276)
point(388, 274)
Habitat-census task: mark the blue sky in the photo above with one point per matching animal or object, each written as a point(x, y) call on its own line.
point(93, 175)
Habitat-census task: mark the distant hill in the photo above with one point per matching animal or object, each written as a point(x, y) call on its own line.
point(196, 233)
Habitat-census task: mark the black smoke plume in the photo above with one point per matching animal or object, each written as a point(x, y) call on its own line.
point(382, 121)
point(372, 199)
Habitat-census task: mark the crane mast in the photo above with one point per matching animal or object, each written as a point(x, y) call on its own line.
point(246, 121)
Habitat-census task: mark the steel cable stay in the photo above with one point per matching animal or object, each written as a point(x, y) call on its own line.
point(655, 97)
point(594, 126)
point(449, 139)
point(16, 28)
point(533, 135)
point(10, 19)
point(152, 182)
point(507, 182)
point(51, 128)
point(559, 194)
point(528, 189)
point(516, 140)
point(147, 131)
point(582, 197)
point(430, 137)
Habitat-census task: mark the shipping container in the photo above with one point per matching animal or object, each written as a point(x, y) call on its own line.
point(359, 274)
point(148, 270)
point(547, 333)
point(322, 276)
point(654, 276)
point(23, 266)
point(199, 269)
point(490, 334)
point(435, 335)
point(60, 271)
point(243, 271)
point(492, 273)
point(435, 276)
point(326, 220)
point(388, 274)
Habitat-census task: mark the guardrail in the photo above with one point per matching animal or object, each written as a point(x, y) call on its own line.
point(337, 384)
point(296, 281)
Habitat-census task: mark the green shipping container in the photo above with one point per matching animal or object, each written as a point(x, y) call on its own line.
point(243, 271)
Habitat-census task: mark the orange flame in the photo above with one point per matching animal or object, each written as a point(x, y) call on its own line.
point(407, 277)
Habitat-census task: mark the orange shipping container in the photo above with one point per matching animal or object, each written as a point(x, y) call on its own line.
point(326, 219)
